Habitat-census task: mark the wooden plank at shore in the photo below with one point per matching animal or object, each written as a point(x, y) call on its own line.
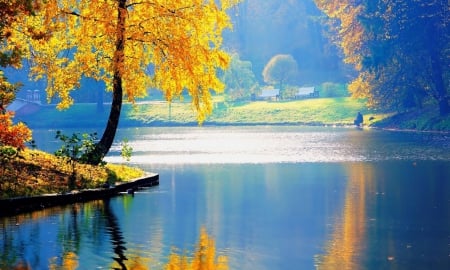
point(14, 206)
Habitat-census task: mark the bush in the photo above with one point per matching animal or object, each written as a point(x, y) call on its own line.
point(13, 135)
point(329, 89)
point(75, 150)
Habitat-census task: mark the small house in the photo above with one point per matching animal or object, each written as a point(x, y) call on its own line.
point(269, 94)
point(306, 92)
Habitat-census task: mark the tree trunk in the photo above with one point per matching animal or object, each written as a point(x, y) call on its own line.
point(103, 146)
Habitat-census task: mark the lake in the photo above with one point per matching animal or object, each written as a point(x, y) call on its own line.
point(275, 197)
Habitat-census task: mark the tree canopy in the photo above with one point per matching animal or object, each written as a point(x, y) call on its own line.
point(400, 49)
point(131, 45)
point(11, 134)
point(280, 69)
point(11, 55)
point(239, 78)
point(263, 29)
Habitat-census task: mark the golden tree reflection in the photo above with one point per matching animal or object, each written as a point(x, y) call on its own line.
point(348, 238)
point(70, 230)
point(69, 262)
point(204, 257)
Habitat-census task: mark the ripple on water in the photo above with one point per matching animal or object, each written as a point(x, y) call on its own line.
point(281, 145)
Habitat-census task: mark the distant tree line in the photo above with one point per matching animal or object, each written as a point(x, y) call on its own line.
point(263, 29)
point(401, 50)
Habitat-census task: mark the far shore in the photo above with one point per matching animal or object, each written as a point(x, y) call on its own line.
point(307, 112)
point(172, 124)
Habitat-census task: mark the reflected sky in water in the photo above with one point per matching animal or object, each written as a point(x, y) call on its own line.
point(382, 215)
point(363, 200)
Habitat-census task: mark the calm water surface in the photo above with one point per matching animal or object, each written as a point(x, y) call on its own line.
point(271, 197)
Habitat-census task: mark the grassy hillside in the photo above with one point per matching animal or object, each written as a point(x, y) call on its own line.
point(327, 111)
point(35, 172)
point(427, 118)
point(318, 111)
point(310, 111)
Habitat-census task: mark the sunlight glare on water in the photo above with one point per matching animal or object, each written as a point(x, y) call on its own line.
point(237, 145)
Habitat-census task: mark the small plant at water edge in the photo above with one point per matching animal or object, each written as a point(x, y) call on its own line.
point(126, 150)
point(75, 149)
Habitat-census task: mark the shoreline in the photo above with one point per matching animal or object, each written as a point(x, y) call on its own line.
point(311, 112)
point(165, 124)
point(18, 205)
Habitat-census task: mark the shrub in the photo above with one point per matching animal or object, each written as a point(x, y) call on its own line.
point(75, 150)
point(13, 135)
point(332, 90)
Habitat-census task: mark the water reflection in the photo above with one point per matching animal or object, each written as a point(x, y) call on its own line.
point(396, 215)
point(69, 261)
point(57, 238)
point(267, 144)
point(117, 240)
point(204, 257)
point(280, 199)
point(345, 248)
point(266, 216)
point(238, 145)
point(69, 236)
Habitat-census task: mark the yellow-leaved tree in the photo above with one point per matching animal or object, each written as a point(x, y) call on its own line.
point(131, 45)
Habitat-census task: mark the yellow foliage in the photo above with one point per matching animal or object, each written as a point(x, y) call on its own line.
point(69, 262)
point(359, 88)
point(123, 172)
point(204, 257)
point(37, 172)
point(169, 45)
point(350, 29)
point(13, 135)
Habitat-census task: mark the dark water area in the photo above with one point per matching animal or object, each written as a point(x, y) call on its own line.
point(364, 200)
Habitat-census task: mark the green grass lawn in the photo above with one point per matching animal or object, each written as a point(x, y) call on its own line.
point(321, 111)
point(310, 111)
point(324, 111)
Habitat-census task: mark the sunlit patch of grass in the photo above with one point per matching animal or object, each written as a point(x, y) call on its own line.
point(325, 111)
point(120, 172)
point(35, 172)
point(180, 112)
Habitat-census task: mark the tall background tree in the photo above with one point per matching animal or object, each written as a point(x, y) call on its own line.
point(263, 29)
point(118, 42)
point(10, 55)
point(239, 79)
point(11, 134)
point(281, 69)
point(400, 49)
